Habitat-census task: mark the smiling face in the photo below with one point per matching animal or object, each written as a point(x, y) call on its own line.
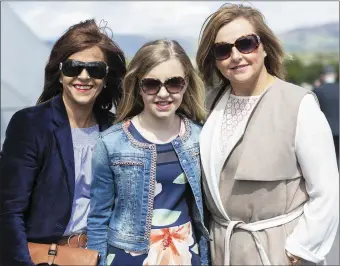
point(82, 90)
point(164, 104)
point(240, 68)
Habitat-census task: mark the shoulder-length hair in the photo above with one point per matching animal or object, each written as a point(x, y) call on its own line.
point(149, 56)
point(225, 14)
point(77, 38)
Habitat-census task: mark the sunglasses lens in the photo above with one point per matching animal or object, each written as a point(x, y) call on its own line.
point(221, 51)
point(96, 70)
point(71, 69)
point(247, 44)
point(175, 84)
point(150, 86)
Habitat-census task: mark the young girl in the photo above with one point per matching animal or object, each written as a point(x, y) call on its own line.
point(146, 201)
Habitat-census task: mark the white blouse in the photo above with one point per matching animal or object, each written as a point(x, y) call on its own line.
point(314, 234)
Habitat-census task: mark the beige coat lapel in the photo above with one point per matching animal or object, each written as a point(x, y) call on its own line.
point(270, 126)
point(239, 132)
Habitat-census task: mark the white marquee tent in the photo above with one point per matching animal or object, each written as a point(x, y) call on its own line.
point(23, 59)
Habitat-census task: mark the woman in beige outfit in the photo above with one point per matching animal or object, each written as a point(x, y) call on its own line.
point(270, 172)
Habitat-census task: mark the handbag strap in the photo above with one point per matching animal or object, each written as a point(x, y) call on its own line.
point(217, 98)
point(52, 253)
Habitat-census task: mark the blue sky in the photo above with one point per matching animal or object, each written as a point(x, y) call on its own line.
point(48, 20)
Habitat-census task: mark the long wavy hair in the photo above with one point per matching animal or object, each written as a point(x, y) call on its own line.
point(206, 63)
point(149, 56)
point(78, 37)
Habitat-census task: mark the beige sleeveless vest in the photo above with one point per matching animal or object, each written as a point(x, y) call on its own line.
point(260, 180)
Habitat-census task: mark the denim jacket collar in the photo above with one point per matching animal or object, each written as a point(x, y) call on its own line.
point(136, 143)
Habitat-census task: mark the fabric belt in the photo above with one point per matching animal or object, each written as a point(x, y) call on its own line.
point(253, 228)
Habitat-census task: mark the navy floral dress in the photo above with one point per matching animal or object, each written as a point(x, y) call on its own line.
point(172, 239)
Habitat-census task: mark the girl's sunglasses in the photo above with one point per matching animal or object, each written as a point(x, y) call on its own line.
point(73, 68)
point(152, 86)
point(245, 44)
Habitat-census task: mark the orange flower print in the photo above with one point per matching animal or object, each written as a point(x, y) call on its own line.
point(170, 246)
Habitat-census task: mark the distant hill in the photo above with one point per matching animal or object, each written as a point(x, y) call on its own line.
point(131, 43)
point(320, 39)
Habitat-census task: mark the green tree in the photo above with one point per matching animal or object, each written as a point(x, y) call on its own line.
point(312, 72)
point(299, 71)
point(295, 71)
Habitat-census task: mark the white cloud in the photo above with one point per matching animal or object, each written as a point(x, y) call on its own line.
point(165, 19)
point(282, 16)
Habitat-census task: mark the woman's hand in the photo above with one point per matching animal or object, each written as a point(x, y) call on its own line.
point(293, 260)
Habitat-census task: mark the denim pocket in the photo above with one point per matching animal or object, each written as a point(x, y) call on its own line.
point(129, 175)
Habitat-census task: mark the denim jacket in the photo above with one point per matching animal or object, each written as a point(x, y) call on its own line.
point(122, 190)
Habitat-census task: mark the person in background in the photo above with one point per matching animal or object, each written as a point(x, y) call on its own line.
point(146, 200)
point(328, 96)
point(45, 165)
point(270, 176)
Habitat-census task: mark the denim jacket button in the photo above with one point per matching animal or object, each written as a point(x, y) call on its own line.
point(184, 161)
point(175, 142)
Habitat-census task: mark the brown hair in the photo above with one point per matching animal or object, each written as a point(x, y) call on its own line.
point(225, 14)
point(149, 56)
point(77, 38)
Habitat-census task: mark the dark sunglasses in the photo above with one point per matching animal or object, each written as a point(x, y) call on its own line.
point(73, 68)
point(245, 44)
point(152, 86)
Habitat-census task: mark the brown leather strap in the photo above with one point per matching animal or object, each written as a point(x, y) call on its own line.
point(218, 96)
point(74, 241)
point(52, 252)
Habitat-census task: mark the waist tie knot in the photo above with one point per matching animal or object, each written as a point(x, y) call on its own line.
point(253, 228)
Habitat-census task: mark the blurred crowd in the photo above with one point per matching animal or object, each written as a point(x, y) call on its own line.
point(327, 90)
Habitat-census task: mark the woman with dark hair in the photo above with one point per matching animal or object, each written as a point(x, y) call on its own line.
point(45, 165)
point(270, 173)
